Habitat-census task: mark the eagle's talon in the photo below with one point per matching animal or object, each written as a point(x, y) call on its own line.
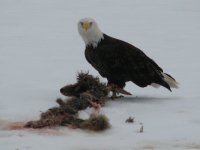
point(115, 89)
point(115, 97)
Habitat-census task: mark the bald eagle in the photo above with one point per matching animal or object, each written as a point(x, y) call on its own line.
point(119, 61)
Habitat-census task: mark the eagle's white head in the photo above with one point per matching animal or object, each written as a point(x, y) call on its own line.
point(90, 32)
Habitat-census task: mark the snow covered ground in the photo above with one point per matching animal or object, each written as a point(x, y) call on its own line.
point(40, 51)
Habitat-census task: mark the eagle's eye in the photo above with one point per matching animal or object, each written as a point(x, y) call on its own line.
point(91, 23)
point(81, 23)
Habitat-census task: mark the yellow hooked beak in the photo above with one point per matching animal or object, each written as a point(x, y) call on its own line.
point(86, 25)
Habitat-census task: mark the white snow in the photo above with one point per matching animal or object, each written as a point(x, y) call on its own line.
point(41, 51)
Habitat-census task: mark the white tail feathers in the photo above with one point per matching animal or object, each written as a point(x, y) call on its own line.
point(155, 85)
point(171, 81)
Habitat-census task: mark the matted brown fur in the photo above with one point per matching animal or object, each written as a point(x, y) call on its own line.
point(86, 83)
point(87, 91)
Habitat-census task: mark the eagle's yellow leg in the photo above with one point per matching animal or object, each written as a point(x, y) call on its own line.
point(115, 89)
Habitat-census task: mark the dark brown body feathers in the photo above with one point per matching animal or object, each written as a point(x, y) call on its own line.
point(120, 62)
